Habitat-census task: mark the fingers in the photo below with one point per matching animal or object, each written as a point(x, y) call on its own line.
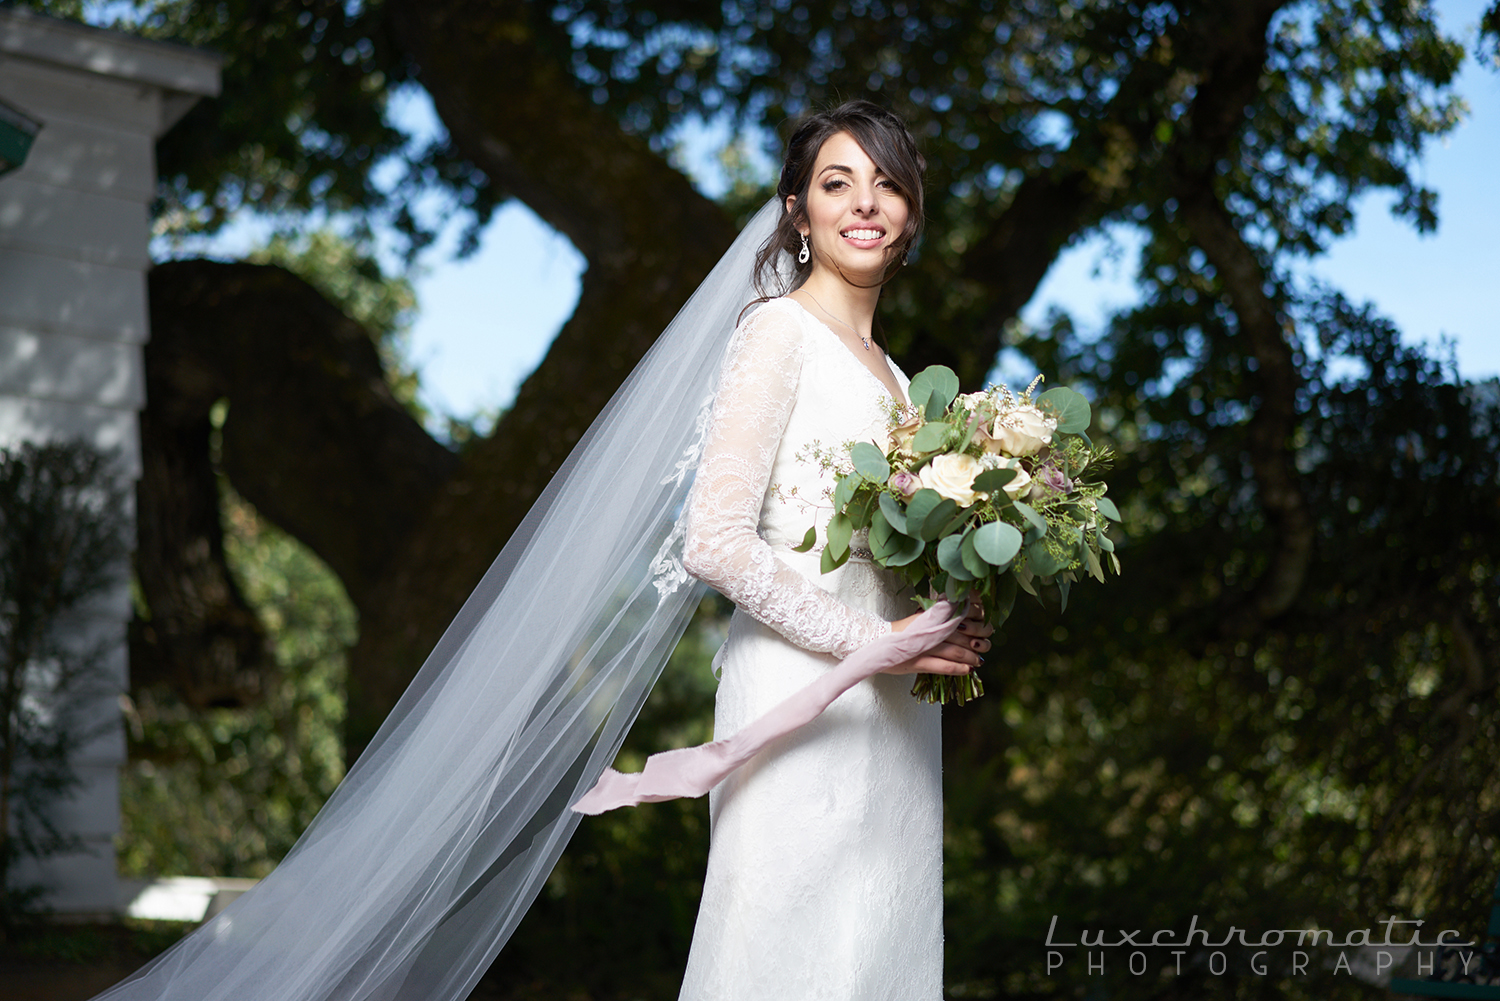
point(959, 650)
point(953, 656)
point(935, 663)
point(973, 625)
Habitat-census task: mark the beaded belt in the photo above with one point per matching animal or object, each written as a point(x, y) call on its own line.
point(858, 554)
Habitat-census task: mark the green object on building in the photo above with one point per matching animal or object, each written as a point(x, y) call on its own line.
point(16, 133)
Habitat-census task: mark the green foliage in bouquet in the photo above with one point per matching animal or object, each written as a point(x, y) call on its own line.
point(978, 494)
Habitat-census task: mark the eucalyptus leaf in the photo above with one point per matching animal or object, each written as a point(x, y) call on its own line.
point(1064, 585)
point(1041, 562)
point(957, 590)
point(1070, 409)
point(1005, 600)
point(993, 480)
point(840, 531)
point(843, 491)
point(933, 389)
point(976, 564)
point(919, 389)
point(918, 508)
point(828, 564)
point(1105, 542)
point(882, 535)
point(907, 551)
point(968, 433)
point(933, 409)
point(1091, 560)
point(861, 507)
point(870, 462)
point(1037, 522)
point(997, 543)
point(937, 518)
point(950, 558)
point(953, 523)
point(929, 437)
point(808, 541)
point(944, 381)
point(893, 513)
point(1108, 509)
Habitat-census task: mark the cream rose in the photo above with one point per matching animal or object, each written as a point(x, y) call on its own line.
point(952, 476)
point(1016, 487)
point(1022, 431)
point(976, 401)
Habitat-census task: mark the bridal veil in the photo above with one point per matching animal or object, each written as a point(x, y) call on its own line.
point(424, 860)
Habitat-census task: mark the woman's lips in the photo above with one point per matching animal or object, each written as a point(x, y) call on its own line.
point(863, 237)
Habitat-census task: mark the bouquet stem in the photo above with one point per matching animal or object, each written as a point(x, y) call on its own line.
point(945, 688)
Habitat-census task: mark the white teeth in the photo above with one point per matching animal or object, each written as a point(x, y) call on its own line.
point(863, 234)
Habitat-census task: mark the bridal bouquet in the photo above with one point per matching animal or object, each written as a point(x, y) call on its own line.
point(980, 493)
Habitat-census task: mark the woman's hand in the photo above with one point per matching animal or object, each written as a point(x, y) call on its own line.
point(958, 654)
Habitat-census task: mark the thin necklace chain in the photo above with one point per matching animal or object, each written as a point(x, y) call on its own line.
point(863, 339)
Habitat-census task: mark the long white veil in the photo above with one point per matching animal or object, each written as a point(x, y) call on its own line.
point(421, 864)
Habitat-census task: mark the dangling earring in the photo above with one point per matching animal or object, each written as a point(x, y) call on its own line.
point(904, 255)
point(806, 253)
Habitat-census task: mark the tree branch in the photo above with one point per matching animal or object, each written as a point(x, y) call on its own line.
point(314, 439)
point(649, 238)
point(1227, 85)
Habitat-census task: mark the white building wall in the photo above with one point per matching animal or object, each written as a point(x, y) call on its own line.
point(74, 232)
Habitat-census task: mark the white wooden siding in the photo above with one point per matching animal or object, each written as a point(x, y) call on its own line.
point(74, 234)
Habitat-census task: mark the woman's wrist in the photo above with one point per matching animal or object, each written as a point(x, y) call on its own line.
point(899, 626)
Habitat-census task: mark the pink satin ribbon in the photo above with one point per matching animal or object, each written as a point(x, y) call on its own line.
point(692, 771)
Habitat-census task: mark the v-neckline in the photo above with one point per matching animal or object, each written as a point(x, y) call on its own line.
point(849, 353)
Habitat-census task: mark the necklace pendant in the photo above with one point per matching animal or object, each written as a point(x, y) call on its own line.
point(867, 342)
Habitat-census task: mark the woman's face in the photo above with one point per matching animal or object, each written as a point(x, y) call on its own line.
point(855, 214)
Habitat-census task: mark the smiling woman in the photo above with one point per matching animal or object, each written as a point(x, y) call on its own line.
point(825, 872)
point(854, 216)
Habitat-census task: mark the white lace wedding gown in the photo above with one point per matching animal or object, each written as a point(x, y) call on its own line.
point(825, 873)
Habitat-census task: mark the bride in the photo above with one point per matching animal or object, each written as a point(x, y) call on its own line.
point(824, 877)
point(825, 872)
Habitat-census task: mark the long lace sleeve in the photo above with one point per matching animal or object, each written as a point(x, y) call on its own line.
point(722, 547)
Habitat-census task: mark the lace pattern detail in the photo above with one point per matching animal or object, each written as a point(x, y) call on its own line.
point(760, 388)
point(667, 572)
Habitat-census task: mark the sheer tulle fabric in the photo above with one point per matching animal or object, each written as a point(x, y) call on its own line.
point(426, 857)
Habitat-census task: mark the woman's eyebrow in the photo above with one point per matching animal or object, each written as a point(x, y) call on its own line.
point(848, 170)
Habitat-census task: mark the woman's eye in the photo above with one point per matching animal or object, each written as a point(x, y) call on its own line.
point(833, 185)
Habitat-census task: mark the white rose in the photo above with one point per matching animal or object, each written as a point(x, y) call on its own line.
point(1022, 431)
point(952, 476)
point(1019, 485)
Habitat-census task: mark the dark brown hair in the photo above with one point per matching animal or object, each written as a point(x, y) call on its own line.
point(885, 140)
